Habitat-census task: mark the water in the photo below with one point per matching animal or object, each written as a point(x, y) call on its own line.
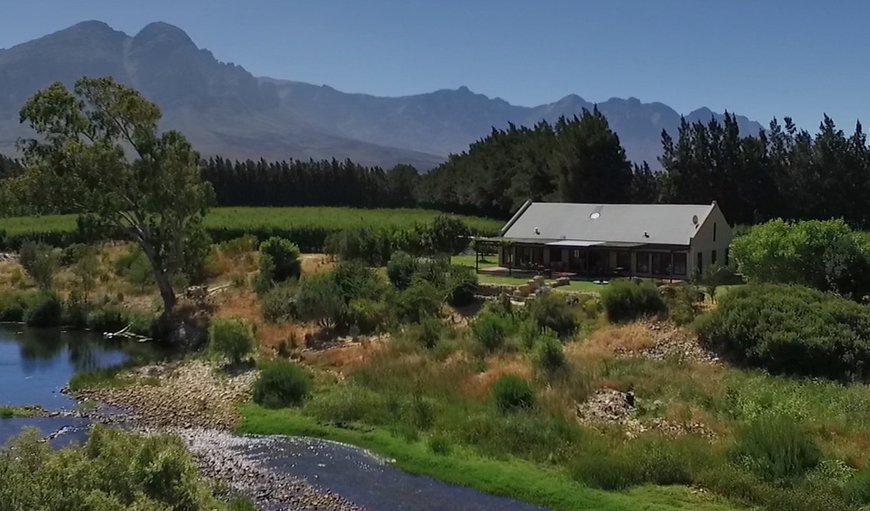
point(35, 364)
point(372, 483)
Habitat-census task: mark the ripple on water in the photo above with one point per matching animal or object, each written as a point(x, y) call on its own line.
point(369, 481)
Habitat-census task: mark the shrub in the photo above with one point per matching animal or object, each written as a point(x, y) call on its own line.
point(528, 331)
point(549, 356)
point(356, 280)
point(319, 299)
point(440, 444)
point(231, 338)
point(368, 315)
point(858, 486)
point(550, 310)
point(823, 254)
point(447, 234)
point(106, 318)
point(284, 255)
point(40, 261)
point(776, 448)
point(44, 310)
point(512, 393)
point(422, 299)
point(135, 267)
point(461, 285)
point(279, 303)
point(791, 330)
point(627, 300)
point(13, 304)
point(490, 330)
point(427, 333)
point(401, 268)
point(683, 301)
point(114, 470)
point(281, 384)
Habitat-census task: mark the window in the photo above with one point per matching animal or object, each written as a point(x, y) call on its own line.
point(727, 254)
point(679, 263)
point(700, 266)
point(642, 262)
point(714, 235)
point(661, 263)
point(713, 257)
point(623, 261)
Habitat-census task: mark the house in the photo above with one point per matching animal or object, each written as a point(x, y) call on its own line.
point(647, 240)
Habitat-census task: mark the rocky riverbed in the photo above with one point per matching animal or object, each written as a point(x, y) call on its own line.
point(197, 401)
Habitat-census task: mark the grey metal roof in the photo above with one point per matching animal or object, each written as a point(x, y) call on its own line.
point(669, 224)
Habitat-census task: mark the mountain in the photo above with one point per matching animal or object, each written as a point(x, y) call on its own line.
point(446, 121)
point(223, 109)
point(220, 107)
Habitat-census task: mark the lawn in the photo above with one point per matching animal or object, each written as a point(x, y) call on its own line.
point(490, 261)
point(509, 477)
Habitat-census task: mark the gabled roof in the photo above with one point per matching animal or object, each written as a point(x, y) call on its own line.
point(666, 224)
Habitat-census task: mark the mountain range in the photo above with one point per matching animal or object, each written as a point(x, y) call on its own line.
point(223, 109)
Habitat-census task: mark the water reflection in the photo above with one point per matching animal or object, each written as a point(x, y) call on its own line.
point(36, 363)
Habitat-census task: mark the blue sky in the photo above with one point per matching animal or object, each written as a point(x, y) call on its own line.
point(761, 59)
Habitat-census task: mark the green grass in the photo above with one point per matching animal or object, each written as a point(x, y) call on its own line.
point(259, 218)
point(491, 261)
point(14, 412)
point(509, 477)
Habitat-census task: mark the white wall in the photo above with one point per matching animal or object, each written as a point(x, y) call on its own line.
point(704, 243)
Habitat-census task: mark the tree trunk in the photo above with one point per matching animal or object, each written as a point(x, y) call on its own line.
point(167, 294)
point(166, 291)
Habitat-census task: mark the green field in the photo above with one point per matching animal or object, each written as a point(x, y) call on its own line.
point(254, 219)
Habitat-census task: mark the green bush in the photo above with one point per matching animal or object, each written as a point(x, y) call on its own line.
point(369, 315)
point(115, 470)
point(447, 234)
point(528, 332)
point(13, 304)
point(319, 299)
point(491, 329)
point(822, 254)
point(281, 384)
point(284, 255)
point(512, 393)
point(134, 267)
point(858, 486)
point(106, 318)
point(231, 338)
point(427, 333)
point(683, 301)
point(791, 330)
point(549, 356)
point(279, 303)
point(440, 444)
point(401, 269)
point(421, 300)
point(551, 310)
point(776, 448)
point(461, 285)
point(627, 300)
point(356, 280)
point(40, 261)
point(44, 310)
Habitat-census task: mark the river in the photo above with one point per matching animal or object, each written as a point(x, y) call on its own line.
point(35, 365)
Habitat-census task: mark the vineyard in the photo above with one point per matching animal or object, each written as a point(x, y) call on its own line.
point(308, 226)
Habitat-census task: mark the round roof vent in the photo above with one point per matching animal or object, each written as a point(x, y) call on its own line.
point(694, 219)
point(595, 215)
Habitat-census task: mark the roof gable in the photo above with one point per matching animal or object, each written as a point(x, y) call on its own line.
point(669, 224)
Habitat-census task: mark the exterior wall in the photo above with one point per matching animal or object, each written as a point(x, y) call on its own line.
point(704, 243)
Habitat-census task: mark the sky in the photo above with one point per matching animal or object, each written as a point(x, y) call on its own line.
point(761, 59)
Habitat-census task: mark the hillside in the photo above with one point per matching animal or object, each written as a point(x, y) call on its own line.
point(225, 110)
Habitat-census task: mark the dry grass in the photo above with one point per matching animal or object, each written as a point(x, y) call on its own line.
point(477, 386)
point(613, 340)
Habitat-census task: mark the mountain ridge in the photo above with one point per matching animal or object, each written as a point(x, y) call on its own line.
point(224, 109)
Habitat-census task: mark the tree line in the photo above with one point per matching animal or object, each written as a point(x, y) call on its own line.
point(782, 172)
